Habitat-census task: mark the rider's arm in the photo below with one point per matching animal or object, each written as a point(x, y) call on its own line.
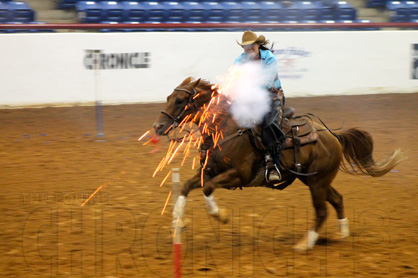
point(272, 71)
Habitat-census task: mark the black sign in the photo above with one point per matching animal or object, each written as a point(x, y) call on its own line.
point(137, 60)
point(414, 70)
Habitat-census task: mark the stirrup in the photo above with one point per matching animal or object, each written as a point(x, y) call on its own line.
point(268, 172)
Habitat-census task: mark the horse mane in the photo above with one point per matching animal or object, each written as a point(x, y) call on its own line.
point(203, 84)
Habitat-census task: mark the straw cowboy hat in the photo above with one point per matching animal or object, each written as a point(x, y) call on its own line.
point(250, 37)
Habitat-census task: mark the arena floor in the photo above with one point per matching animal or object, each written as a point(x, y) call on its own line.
point(51, 162)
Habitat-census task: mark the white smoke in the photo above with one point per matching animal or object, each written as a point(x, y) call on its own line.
point(245, 86)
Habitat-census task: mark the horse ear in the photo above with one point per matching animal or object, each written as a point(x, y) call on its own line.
point(195, 83)
point(186, 81)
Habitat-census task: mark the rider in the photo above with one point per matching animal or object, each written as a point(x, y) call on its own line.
point(272, 136)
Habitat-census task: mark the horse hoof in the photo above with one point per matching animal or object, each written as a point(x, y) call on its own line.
point(341, 236)
point(301, 246)
point(307, 243)
point(181, 223)
point(222, 216)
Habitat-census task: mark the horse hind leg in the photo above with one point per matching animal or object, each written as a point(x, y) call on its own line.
point(319, 196)
point(336, 200)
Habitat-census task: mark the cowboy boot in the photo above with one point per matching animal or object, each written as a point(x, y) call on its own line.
point(272, 173)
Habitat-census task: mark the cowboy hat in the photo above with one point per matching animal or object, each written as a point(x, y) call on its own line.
point(250, 37)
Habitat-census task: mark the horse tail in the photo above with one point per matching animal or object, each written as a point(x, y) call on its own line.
point(357, 148)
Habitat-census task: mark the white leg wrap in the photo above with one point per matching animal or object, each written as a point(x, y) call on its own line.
point(343, 227)
point(211, 205)
point(312, 237)
point(179, 207)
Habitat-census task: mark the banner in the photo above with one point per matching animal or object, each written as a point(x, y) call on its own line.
point(56, 69)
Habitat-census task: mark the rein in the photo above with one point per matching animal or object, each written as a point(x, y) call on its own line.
point(176, 119)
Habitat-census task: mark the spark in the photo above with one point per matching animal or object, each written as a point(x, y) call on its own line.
point(205, 128)
point(195, 117)
point(213, 120)
point(216, 139)
point(186, 151)
point(197, 141)
point(160, 166)
point(185, 119)
point(147, 142)
point(219, 99)
point(203, 169)
point(91, 196)
point(165, 159)
point(145, 134)
point(194, 159)
point(176, 151)
point(200, 143)
point(168, 129)
point(166, 177)
point(166, 202)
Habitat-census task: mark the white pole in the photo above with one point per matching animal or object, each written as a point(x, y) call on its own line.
point(175, 176)
point(97, 92)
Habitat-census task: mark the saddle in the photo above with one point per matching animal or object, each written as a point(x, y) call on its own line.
point(298, 128)
point(299, 131)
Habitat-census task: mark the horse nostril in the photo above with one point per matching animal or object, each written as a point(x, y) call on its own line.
point(157, 126)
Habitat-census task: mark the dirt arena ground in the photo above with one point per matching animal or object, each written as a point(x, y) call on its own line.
point(51, 162)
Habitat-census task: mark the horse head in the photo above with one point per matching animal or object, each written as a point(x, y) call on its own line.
point(186, 99)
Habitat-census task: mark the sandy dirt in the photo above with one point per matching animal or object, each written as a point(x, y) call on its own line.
point(51, 162)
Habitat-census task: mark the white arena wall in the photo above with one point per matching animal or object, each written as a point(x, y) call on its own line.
point(53, 69)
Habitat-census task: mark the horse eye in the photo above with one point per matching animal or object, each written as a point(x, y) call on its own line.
point(179, 101)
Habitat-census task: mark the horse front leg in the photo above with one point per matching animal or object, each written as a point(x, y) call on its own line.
point(227, 179)
point(178, 211)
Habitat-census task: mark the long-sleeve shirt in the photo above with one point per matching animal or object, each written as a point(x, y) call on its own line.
point(269, 62)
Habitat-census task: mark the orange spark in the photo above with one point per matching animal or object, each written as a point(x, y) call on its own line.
point(147, 142)
point(166, 177)
point(174, 153)
point(195, 117)
point(197, 141)
point(194, 159)
point(165, 159)
point(166, 202)
point(185, 119)
point(203, 168)
point(200, 142)
point(213, 120)
point(145, 134)
point(91, 196)
point(168, 129)
point(205, 128)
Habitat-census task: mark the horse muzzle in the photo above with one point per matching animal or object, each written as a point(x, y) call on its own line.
point(162, 128)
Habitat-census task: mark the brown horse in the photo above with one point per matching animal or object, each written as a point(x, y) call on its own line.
point(233, 161)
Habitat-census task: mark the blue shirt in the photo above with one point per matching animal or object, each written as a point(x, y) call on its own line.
point(269, 62)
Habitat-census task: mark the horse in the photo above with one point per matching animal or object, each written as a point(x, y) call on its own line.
point(234, 161)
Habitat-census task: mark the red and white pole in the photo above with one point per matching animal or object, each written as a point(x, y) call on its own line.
point(175, 176)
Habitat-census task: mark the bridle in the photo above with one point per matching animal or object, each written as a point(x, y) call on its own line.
point(190, 103)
